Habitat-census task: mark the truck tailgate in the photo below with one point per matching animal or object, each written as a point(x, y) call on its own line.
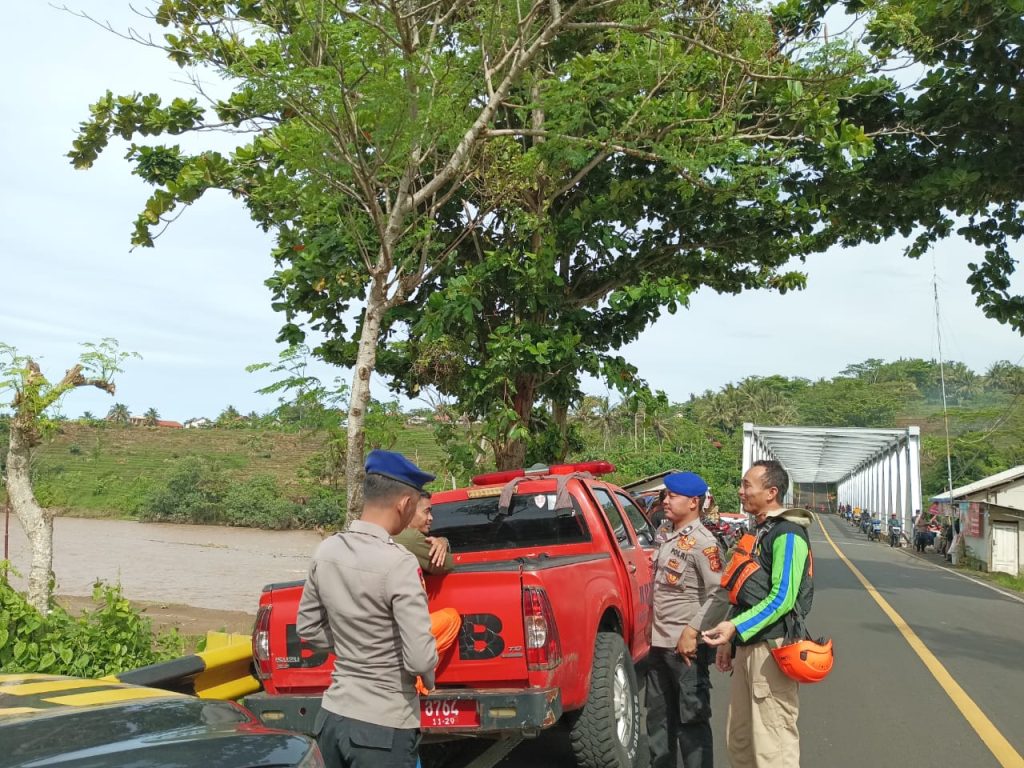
point(490, 651)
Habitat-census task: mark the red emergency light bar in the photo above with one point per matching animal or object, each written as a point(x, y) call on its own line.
point(593, 467)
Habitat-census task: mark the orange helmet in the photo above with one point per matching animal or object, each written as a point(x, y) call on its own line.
point(805, 661)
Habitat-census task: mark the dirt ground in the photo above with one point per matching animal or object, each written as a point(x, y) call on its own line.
point(187, 619)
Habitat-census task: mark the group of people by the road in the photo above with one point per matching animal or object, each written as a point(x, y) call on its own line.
point(929, 531)
point(744, 615)
point(364, 600)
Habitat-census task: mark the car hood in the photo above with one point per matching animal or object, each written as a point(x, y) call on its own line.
point(44, 722)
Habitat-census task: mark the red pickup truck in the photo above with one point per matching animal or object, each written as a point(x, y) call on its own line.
point(553, 581)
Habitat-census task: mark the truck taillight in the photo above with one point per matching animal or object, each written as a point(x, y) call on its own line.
point(261, 642)
point(543, 647)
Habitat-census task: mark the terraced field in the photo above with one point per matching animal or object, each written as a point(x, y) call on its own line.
point(105, 469)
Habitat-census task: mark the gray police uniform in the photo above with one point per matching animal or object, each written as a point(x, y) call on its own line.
point(364, 601)
point(687, 592)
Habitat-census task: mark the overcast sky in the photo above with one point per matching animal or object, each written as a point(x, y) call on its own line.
point(196, 309)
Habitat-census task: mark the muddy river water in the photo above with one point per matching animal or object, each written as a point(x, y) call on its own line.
point(203, 566)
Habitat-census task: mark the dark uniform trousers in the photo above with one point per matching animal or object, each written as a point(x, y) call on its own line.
point(679, 709)
point(349, 743)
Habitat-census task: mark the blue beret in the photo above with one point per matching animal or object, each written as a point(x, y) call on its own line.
point(686, 484)
point(397, 467)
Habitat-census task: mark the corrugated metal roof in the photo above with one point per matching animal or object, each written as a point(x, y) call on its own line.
point(992, 481)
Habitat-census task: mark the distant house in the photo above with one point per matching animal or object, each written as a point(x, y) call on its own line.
point(991, 514)
point(140, 421)
point(202, 421)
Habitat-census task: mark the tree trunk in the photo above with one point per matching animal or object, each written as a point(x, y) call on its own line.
point(560, 415)
point(366, 360)
point(511, 453)
point(36, 521)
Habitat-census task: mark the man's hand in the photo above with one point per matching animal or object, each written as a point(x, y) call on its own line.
point(723, 658)
point(687, 645)
point(720, 634)
point(438, 550)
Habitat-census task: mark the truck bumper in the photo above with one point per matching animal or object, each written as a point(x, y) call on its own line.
point(501, 711)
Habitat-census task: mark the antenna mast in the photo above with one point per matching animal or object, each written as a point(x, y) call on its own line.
point(942, 379)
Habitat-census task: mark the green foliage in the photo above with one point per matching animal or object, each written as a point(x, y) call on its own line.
point(325, 508)
point(201, 491)
point(107, 639)
point(193, 493)
point(928, 181)
point(522, 216)
point(258, 503)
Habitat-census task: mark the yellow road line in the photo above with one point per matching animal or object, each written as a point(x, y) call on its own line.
point(997, 744)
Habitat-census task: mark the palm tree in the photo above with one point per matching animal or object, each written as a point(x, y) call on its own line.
point(119, 414)
point(151, 417)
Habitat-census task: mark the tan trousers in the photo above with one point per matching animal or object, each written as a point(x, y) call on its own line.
point(761, 727)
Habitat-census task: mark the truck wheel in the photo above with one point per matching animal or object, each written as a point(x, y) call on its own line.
point(606, 733)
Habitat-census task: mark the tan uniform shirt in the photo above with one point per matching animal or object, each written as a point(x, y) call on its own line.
point(687, 584)
point(416, 542)
point(364, 601)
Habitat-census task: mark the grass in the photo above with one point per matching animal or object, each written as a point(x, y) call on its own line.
point(1005, 580)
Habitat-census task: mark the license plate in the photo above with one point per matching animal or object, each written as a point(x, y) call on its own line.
point(448, 713)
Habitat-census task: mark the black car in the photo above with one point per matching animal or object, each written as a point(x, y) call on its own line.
point(49, 720)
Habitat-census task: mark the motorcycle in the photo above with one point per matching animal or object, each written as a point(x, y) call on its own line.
point(875, 532)
point(895, 532)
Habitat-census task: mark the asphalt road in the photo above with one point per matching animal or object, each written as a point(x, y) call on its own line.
point(881, 707)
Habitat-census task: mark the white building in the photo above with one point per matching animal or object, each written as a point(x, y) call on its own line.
point(991, 512)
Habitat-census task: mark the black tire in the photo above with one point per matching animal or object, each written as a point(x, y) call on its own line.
point(606, 734)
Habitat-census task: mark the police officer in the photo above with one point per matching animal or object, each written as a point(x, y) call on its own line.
point(687, 599)
point(365, 602)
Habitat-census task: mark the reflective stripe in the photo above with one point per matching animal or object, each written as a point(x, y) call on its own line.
point(110, 696)
point(786, 585)
point(48, 686)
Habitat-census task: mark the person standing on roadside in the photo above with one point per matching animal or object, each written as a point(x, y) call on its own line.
point(687, 598)
point(364, 601)
point(764, 704)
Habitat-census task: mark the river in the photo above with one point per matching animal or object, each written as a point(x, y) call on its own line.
point(208, 567)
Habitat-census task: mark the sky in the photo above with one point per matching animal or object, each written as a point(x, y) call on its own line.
point(196, 309)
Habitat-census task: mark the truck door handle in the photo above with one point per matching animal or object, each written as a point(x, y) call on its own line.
point(632, 566)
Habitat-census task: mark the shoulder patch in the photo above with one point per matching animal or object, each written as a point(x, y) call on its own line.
point(714, 558)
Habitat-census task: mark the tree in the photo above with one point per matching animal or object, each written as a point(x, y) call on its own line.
point(1005, 376)
point(956, 167)
point(397, 145)
point(33, 396)
point(151, 417)
point(119, 414)
point(230, 418)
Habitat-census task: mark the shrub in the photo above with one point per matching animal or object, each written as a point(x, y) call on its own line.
point(325, 508)
point(194, 493)
point(110, 638)
point(258, 503)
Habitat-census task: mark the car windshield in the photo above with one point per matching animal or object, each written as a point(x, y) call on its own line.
point(475, 525)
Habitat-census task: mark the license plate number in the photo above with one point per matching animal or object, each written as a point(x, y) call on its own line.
point(448, 713)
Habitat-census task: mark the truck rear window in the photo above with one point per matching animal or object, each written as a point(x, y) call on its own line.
point(475, 525)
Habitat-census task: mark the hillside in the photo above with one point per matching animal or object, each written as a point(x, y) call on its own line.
point(107, 469)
